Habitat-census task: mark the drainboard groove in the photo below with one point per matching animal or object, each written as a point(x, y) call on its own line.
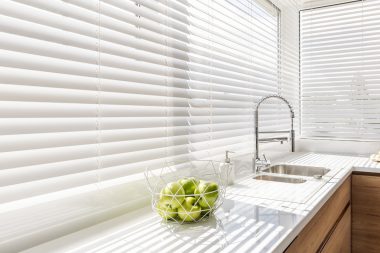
point(280, 179)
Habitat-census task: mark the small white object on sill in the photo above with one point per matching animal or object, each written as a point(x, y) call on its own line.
point(376, 157)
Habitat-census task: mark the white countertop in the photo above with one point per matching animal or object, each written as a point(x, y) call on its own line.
point(246, 222)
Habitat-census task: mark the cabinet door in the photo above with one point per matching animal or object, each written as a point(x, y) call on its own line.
point(366, 213)
point(340, 239)
point(317, 230)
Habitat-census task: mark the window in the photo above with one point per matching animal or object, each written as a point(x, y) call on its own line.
point(95, 91)
point(340, 71)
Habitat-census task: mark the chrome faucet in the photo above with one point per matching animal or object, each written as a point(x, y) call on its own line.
point(258, 163)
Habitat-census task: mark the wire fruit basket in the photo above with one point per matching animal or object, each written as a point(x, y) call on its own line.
point(187, 192)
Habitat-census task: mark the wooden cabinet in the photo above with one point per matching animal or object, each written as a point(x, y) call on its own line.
point(340, 239)
point(315, 236)
point(365, 213)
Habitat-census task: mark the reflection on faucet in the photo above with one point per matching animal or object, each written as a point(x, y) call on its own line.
point(258, 163)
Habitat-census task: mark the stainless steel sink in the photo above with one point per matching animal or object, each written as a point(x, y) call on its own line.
point(287, 169)
point(280, 179)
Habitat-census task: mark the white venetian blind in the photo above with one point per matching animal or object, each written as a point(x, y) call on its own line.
point(49, 92)
point(340, 49)
point(95, 91)
point(179, 79)
point(238, 66)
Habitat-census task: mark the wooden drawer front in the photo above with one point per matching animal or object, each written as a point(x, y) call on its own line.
point(340, 239)
point(314, 234)
point(365, 214)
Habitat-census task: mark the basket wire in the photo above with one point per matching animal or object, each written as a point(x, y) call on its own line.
point(190, 207)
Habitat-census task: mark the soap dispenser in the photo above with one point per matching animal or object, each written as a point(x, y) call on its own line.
point(228, 169)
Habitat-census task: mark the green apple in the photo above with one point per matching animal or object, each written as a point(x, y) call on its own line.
point(189, 184)
point(166, 211)
point(172, 194)
point(208, 194)
point(189, 210)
